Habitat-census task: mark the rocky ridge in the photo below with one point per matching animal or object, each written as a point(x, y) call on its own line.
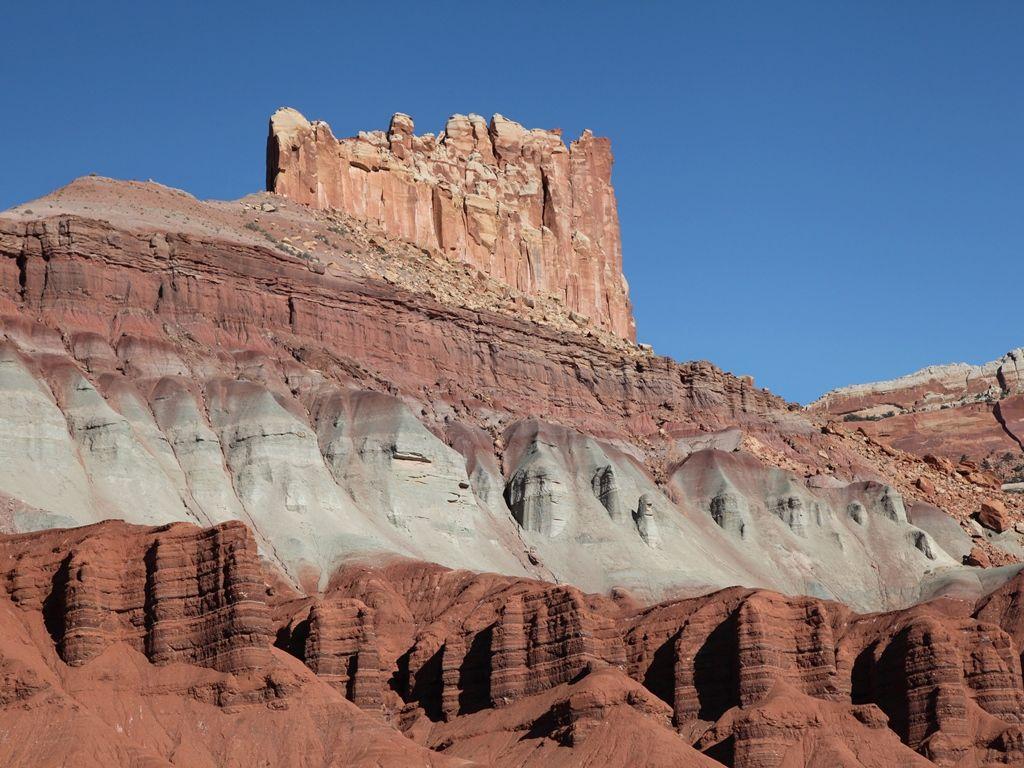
point(959, 411)
point(550, 510)
point(190, 347)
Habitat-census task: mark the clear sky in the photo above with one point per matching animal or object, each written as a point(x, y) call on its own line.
point(814, 193)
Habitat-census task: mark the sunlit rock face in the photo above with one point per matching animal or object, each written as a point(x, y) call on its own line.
point(518, 204)
point(957, 411)
point(376, 457)
point(337, 472)
point(183, 625)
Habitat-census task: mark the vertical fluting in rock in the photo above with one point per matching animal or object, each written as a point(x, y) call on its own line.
point(341, 648)
point(177, 594)
point(466, 672)
point(606, 489)
point(803, 655)
point(546, 638)
point(931, 675)
point(205, 598)
point(729, 510)
point(516, 203)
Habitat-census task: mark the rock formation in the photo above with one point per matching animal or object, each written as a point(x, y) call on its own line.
point(336, 640)
point(370, 472)
point(130, 646)
point(279, 369)
point(515, 203)
point(125, 648)
point(960, 411)
point(175, 594)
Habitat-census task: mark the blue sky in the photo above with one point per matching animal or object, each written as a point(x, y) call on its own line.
point(812, 193)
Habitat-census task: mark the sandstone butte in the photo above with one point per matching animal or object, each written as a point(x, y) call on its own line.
point(515, 203)
point(369, 470)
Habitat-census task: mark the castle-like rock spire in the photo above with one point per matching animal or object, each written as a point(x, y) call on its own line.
point(516, 203)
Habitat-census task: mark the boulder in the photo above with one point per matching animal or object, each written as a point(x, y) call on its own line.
point(978, 558)
point(994, 516)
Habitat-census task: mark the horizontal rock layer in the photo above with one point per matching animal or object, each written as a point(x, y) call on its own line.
point(175, 594)
point(193, 353)
point(494, 669)
point(955, 411)
point(319, 392)
point(752, 678)
point(141, 647)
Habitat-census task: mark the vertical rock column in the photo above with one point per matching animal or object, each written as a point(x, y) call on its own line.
point(342, 648)
point(178, 594)
point(204, 596)
point(548, 638)
point(518, 204)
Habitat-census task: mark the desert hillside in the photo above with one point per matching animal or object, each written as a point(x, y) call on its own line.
point(369, 469)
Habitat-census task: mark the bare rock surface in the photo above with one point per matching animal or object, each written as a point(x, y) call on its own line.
point(145, 647)
point(371, 472)
point(958, 411)
point(175, 646)
point(517, 204)
point(346, 396)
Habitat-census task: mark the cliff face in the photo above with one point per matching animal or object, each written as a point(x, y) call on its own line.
point(144, 647)
point(750, 678)
point(266, 394)
point(175, 594)
point(344, 394)
point(149, 647)
point(515, 203)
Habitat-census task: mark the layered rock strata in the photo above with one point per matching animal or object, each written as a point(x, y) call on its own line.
point(194, 352)
point(175, 594)
point(751, 678)
point(488, 668)
point(959, 411)
point(422, 350)
point(151, 647)
point(337, 641)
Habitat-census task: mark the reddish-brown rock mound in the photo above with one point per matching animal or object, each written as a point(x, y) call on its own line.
point(169, 646)
point(959, 411)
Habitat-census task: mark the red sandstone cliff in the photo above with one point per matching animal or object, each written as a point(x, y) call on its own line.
point(753, 679)
point(171, 646)
point(515, 203)
point(265, 362)
point(317, 386)
point(146, 648)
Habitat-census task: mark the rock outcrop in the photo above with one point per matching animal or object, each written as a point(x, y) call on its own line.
point(515, 203)
point(417, 355)
point(150, 647)
point(336, 640)
point(750, 678)
point(960, 411)
point(185, 630)
point(175, 594)
point(277, 368)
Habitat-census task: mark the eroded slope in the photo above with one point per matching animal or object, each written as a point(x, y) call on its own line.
point(345, 394)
